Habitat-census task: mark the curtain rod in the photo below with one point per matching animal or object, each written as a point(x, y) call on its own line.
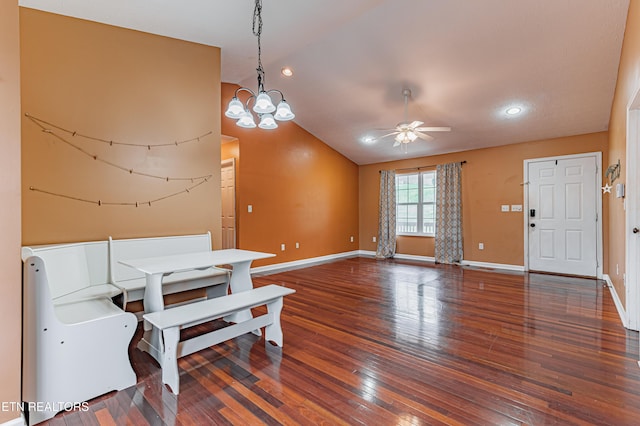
point(424, 167)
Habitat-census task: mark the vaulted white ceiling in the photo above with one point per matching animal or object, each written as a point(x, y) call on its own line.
point(465, 62)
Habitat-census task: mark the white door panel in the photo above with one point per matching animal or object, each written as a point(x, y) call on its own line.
point(228, 199)
point(563, 229)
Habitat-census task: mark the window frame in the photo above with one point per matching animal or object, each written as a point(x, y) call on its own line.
point(420, 204)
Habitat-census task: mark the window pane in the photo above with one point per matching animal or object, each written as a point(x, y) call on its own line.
point(404, 185)
point(428, 219)
point(407, 219)
point(428, 194)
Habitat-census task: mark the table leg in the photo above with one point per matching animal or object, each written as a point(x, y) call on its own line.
point(153, 302)
point(241, 281)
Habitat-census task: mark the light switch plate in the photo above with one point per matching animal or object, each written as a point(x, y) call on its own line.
point(516, 207)
point(505, 207)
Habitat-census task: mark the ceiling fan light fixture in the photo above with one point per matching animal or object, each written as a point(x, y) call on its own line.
point(406, 132)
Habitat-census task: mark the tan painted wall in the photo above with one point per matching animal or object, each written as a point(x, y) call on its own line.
point(119, 85)
point(10, 269)
point(491, 177)
point(300, 189)
point(627, 83)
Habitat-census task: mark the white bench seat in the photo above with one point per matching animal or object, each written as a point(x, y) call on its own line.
point(171, 321)
point(85, 311)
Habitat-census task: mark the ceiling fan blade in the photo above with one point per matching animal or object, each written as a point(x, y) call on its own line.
point(423, 136)
point(433, 129)
point(384, 136)
point(416, 124)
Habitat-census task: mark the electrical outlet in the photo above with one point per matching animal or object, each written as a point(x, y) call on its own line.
point(282, 247)
point(480, 246)
point(298, 245)
point(373, 239)
point(351, 239)
point(249, 208)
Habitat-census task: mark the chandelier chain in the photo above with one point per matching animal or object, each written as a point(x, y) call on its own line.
point(257, 31)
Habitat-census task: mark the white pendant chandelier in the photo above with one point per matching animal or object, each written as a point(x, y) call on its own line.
point(262, 104)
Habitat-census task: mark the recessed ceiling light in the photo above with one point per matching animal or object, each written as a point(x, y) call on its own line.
point(287, 72)
point(513, 110)
point(368, 140)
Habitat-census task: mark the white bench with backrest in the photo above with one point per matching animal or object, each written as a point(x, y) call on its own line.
point(132, 282)
point(171, 321)
point(79, 271)
point(75, 339)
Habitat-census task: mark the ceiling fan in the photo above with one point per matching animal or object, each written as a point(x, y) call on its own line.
point(406, 132)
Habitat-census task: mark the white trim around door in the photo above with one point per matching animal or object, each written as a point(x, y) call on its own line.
point(632, 215)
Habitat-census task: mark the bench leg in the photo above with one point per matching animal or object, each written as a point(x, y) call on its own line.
point(170, 374)
point(273, 331)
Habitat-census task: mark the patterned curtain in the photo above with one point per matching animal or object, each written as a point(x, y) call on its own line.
point(387, 215)
point(448, 213)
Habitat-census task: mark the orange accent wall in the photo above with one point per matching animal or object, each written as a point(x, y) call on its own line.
point(491, 177)
point(10, 271)
point(301, 191)
point(627, 83)
point(120, 85)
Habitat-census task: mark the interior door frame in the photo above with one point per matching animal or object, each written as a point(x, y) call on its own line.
point(598, 179)
point(632, 291)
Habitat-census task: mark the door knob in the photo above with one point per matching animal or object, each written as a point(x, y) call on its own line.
point(635, 230)
point(533, 225)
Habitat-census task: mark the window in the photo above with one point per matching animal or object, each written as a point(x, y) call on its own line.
point(416, 203)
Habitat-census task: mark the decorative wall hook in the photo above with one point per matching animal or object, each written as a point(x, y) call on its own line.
point(613, 172)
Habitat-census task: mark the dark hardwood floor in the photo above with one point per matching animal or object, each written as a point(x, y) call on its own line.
point(394, 342)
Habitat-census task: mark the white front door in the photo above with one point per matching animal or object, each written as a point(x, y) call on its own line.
point(562, 215)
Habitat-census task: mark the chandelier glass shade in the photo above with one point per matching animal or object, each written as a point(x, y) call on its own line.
point(263, 105)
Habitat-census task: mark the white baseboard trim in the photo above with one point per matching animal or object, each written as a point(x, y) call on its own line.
point(488, 265)
point(18, 421)
point(302, 262)
point(430, 259)
point(616, 299)
point(415, 257)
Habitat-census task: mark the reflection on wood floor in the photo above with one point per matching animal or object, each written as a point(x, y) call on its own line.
point(396, 342)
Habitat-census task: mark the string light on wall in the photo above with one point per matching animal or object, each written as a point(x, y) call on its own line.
point(195, 180)
point(263, 104)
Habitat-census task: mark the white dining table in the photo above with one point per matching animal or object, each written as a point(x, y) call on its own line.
point(155, 268)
